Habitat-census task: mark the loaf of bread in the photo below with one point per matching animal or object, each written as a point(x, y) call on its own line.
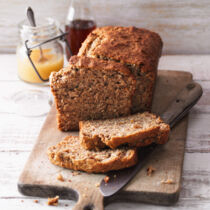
point(139, 49)
point(69, 154)
point(138, 130)
point(91, 88)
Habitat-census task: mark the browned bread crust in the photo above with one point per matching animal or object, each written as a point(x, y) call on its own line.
point(135, 130)
point(98, 64)
point(91, 88)
point(139, 49)
point(69, 154)
point(125, 44)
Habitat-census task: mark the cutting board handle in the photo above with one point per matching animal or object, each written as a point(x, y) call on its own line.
point(89, 199)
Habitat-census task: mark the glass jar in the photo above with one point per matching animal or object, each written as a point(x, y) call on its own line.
point(79, 23)
point(46, 58)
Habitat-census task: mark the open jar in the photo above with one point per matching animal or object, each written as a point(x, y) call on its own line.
point(35, 63)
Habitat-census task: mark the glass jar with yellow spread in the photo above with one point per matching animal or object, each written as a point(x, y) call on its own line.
point(46, 58)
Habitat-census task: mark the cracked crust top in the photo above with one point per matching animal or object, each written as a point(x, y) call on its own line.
point(130, 45)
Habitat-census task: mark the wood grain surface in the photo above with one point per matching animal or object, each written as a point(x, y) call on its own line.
point(183, 25)
point(18, 135)
point(39, 175)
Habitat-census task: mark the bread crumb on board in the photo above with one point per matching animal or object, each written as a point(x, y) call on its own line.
point(150, 170)
point(84, 195)
point(60, 178)
point(168, 181)
point(53, 201)
point(36, 201)
point(75, 173)
point(97, 184)
point(106, 179)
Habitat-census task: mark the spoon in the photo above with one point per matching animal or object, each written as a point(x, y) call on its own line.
point(31, 18)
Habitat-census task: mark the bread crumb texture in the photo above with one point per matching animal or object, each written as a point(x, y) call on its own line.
point(97, 184)
point(168, 181)
point(106, 179)
point(53, 201)
point(150, 170)
point(60, 178)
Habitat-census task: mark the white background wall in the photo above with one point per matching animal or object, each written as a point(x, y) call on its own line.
point(183, 25)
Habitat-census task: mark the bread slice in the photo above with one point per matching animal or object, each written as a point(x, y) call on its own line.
point(137, 130)
point(69, 154)
point(91, 88)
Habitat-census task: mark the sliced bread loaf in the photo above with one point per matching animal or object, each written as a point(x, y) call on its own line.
point(138, 130)
point(139, 49)
point(69, 154)
point(91, 88)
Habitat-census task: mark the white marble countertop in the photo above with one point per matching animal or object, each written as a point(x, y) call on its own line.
point(18, 135)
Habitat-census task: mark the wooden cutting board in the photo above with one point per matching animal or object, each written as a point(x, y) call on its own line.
point(39, 177)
